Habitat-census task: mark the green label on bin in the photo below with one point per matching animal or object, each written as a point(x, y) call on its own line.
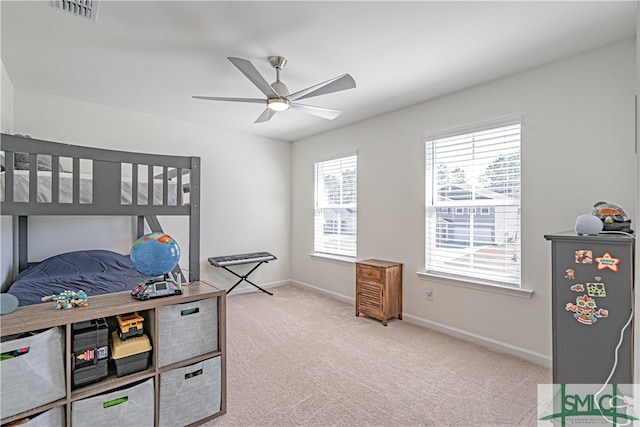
point(115, 402)
point(14, 353)
point(193, 374)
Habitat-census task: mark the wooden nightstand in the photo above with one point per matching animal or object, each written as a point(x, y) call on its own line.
point(379, 289)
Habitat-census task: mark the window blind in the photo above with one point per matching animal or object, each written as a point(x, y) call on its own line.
point(473, 204)
point(335, 223)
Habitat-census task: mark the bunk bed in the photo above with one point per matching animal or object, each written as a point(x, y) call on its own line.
point(49, 178)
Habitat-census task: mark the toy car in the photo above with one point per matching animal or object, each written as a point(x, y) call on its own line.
point(155, 289)
point(130, 325)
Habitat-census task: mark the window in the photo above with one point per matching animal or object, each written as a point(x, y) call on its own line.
point(335, 206)
point(475, 174)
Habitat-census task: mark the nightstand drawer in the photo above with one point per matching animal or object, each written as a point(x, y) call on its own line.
point(371, 273)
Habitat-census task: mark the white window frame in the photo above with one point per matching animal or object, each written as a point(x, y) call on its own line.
point(437, 260)
point(342, 208)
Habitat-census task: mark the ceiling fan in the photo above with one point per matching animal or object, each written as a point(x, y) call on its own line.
point(278, 97)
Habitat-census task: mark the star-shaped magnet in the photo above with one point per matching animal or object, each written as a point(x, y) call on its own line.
point(607, 261)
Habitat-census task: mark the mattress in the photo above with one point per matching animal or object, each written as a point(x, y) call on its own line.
point(94, 271)
point(21, 189)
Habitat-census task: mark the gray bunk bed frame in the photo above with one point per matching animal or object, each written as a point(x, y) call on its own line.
point(106, 192)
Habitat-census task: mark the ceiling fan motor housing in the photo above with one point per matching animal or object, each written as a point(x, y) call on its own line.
point(280, 88)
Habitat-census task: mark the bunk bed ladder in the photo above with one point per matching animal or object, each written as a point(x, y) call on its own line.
point(152, 221)
point(23, 239)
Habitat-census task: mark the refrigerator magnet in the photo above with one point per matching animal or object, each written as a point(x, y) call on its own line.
point(584, 256)
point(586, 311)
point(578, 287)
point(596, 290)
point(570, 273)
point(607, 261)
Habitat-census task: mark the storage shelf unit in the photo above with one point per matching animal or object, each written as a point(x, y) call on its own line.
point(43, 316)
point(379, 289)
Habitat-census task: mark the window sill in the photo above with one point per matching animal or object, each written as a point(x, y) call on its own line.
point(477, 284)
point(337, 258)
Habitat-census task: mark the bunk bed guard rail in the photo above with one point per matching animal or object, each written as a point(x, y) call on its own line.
point(48, 178)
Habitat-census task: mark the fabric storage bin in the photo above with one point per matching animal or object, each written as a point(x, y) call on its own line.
point(51, 418)
point(190, 393)
point(32, 371)
point(187, 330)
point(127, 407)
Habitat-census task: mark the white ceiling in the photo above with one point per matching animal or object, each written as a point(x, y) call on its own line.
point(152, 56)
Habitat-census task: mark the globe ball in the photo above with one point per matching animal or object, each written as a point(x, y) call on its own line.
point(155, 254)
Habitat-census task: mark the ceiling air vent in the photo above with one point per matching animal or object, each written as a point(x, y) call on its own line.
point(83, 8)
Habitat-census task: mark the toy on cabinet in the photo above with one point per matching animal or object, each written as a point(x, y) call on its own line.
point(68, 299)
point(130, 325)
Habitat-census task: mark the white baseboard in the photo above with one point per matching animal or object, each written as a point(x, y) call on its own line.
point(523, 353)
point(500, 346)
point(335, 295)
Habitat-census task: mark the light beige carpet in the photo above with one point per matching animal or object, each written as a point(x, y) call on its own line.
point(300, 358)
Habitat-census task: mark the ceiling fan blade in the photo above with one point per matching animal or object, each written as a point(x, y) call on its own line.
point(265, 116)
point(218, 98)
point(336, 84)
point(325, 113)
point(247, 68)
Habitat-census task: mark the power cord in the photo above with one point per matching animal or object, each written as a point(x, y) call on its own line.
point(615, 364)
point(615, 361)
point(618, 232)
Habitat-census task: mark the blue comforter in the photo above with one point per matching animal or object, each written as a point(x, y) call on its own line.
point(93, 271)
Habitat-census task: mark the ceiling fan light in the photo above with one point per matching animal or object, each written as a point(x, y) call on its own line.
point(278, 104)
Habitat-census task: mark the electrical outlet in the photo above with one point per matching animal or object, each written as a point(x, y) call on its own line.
point(429, 294)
